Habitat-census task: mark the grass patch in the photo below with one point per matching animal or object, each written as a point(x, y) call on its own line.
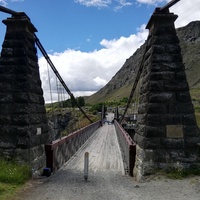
point(181, 173)
point(198, 118)
point(12, 177)
point(7, 191)
point(12, 172)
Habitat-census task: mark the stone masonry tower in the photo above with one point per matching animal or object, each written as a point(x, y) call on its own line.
point(23, 122)
point(167, 134)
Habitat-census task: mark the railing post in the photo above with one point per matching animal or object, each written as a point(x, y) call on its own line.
point(49, 156)
point(132, 153)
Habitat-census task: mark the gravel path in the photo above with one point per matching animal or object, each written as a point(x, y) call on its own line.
point(106, 178)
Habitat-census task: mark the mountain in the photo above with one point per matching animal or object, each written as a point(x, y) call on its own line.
point(121, 84)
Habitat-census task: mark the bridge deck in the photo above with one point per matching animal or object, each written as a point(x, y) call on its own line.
point(106, 180)
point(104, 152)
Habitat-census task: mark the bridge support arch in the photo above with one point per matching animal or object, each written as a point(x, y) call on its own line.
point(167, 134)
point(23, 121)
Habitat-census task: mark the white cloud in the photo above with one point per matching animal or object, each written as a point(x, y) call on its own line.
point(122, 3)
point(17, 0)
point(88, 40)
point(88, 72)
point(3, 2)
point(152, 2)
point(99, 81)
point(187, 11)
point(94, 3)
point(104, 3)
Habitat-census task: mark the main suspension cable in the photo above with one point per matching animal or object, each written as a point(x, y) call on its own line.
point(58, 75)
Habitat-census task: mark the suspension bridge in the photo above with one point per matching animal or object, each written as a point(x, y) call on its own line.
point(165, 133)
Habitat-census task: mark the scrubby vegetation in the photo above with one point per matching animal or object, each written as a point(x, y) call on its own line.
point(68, 118)
point(181, 173)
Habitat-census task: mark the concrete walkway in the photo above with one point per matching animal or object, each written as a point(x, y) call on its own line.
point(106, 178)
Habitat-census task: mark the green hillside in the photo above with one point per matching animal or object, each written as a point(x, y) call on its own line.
point(120, 85)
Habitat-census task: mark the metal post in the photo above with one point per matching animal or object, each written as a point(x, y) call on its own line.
point(86, 165)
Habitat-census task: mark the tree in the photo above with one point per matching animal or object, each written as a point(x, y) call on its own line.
point(81, 101)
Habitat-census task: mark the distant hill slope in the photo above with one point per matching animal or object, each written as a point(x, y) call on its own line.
point(121, 84)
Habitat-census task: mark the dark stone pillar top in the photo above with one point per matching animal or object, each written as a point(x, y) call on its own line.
point(19, 23)
point(161, 19)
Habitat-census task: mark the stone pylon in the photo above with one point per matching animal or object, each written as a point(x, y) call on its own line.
point(167, 135)
point(23, 121)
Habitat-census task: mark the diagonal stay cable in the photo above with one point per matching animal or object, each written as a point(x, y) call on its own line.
point(135, 84)
point(58, 75)
point(22, 14)
point(162, 9)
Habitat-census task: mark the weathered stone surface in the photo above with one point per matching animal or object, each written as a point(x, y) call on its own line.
point(172, 66)
point(164, 39)
point(171, 143)
point(183, 97)
point(159, 58)
point(164, 30)
point(143, 107)
point(144, 88)
point(156, 86)
point(141, 129)
point(156, 108)
point(175, 85)
point(23, 121)
point(147, 143)
point(162, 97)
point(189, 119)
point(156, 76)
point(166, 131)
point(191, 131)
point(191, 142)
point(153, 120)
point(144, 98)
point(142, 118)
point(155, 131)
point(185, 108)
point(5, 119)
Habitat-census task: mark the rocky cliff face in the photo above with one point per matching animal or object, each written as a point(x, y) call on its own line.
point(189, 37)
point(121, 84)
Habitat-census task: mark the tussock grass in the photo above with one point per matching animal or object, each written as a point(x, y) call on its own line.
point(12, 172)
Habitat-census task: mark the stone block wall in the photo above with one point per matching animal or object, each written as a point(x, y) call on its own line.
point(166, 132)
point(23, 122)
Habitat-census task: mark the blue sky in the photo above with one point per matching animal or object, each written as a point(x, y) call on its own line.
point(89, 40)
point(71, 24)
